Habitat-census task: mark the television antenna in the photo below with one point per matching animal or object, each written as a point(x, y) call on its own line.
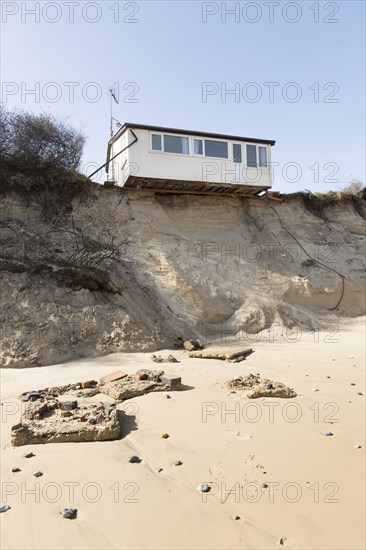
point(118, 124)
point(115, 100)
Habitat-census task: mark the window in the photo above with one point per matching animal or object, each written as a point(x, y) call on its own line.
point(251, 156)
point(155, 142)
point(198, 147)
point(262, 156)
point(216, 149)
point(237, 152)
point(176, 144)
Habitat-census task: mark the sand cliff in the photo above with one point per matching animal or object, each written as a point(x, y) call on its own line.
point(89, 270)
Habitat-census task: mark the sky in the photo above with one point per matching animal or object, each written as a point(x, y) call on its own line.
point(289, 71)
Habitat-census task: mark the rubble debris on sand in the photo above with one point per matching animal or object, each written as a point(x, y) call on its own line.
point(224, 354)
point(47, 421)
point(260, 387)
point(112, 377)
point(192, 345)
point(80, 389)
point(160, 359)
point(131, 386)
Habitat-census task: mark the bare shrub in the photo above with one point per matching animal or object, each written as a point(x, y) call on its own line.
point(38, 143)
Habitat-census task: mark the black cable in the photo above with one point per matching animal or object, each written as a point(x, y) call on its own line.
point(323, 265)
point(110, 160)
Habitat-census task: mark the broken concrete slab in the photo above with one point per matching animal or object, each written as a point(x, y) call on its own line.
point(112, 377)
point(171, 379)
point(56, 391)
point(244, 382)
point(130, 386)
point(275, 389)
point(233, 355)
point(192, 345)
point(160, 359)
point(260, 387)
point(42, 422)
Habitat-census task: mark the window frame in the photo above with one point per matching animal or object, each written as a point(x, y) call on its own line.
point(265, 147)
point(241, 151)
point(220, 141)
point(151, 143)
point(198, 155)
point(163, 152)
point(230, 149)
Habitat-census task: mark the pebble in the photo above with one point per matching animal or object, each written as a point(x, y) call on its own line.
point(31, 396)
point(29, 455)
point(20, 429)
point(16, 470)
point(359, 393)
point(328, 376)
point(236, 518)
point(4, 508)
point(159, 470)
point(315, 389)
point(68, 513)
point(357, 446)
point(264, 485)
point(165, 436)
point(328, 434)
point(168, 397)
point(353, 384)
point(38, 474)
point(134, 459)
point(203, 488)
point(178, 463)
point(269, 387)
point(69, 405)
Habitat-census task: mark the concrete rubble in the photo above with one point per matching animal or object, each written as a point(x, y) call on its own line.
point(53, 415)
point(260, 387)
point(232, 355)
point(48, 421)
point(160, 359)
point(134, 386)
point(192, 345)
point(112, 377)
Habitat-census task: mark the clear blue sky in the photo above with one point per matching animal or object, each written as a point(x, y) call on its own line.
point(173, 48)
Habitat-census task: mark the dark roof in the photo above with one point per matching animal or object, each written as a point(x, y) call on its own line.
point(162, 129)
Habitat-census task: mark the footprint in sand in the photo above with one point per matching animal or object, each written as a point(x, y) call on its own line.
point(238, 434)
point(217, 471)
point(253, 462)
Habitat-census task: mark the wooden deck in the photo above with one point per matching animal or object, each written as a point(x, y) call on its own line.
point(161, 187)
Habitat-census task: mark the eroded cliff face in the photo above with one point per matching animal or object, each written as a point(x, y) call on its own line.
point(88, 270)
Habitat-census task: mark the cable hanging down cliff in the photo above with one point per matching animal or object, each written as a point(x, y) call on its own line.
point(319, 263)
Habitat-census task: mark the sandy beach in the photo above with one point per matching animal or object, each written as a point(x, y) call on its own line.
point(314, 497)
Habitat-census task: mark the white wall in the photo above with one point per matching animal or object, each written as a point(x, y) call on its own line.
point(139, 160)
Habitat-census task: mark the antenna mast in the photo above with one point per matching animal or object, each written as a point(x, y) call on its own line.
point(113, 98)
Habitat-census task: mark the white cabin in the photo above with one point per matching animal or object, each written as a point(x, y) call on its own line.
point(170, 160)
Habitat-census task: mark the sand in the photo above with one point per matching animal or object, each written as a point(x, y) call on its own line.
point(315, 498)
